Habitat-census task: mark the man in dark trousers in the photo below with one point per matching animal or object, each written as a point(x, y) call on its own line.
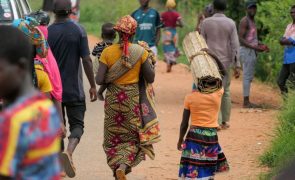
point(69, 43)
point(249, 48)
point(288, 68)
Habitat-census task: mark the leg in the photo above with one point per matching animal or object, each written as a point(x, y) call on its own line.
point(75, 112)
point(283, 77)
point(168, 61)
point(249, 62)
point(121, 172)
point(292, 75)
point(64, 118)
point(225, 110)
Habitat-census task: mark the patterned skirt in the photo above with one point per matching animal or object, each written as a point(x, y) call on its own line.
point(202, 155)
point(121, 125)
point(170, 41)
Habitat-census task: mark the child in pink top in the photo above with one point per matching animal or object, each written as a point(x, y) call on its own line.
point(51, 68)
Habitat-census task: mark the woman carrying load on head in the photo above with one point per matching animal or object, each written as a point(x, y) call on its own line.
point(129, 129)
point(171, 19)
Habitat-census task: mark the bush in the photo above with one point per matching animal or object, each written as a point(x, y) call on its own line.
point(274, 15)
point(282, 150)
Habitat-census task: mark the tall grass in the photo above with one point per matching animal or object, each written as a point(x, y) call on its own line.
point(282, 150)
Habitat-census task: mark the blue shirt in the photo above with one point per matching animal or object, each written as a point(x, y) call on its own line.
point(289, 54)
point(148, 23)
point(68, 42)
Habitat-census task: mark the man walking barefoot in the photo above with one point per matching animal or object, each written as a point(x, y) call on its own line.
point(69, 43)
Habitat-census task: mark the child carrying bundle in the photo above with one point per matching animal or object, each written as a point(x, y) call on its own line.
point(202, 155)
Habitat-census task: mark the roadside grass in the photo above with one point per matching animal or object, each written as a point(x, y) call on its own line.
point(282, 150)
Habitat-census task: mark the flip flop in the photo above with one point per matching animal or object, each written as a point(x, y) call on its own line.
point(68, 165)
point(120, 174)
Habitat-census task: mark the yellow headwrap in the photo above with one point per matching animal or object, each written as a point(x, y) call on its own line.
point(171, 4)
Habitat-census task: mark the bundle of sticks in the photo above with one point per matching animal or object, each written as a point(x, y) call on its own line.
point(204, 68)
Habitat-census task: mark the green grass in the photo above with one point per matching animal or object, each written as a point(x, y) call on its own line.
point(282, 150)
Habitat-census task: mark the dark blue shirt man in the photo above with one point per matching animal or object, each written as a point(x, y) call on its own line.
point(68, 41)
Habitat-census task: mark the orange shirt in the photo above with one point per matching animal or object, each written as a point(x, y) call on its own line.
point(204, 108)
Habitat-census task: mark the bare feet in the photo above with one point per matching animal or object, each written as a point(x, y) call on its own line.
point(100, 97)
point(121, 172)
point(250, 105)
point(224, 125)
point(169, 68)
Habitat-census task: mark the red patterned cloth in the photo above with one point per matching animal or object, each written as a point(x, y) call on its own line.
point(126, 25)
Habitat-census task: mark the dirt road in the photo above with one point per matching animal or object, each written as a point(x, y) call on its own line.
point(247, 138)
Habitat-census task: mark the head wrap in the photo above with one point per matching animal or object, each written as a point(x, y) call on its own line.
point(127, 27)
point(29, 27)
point(170, 4)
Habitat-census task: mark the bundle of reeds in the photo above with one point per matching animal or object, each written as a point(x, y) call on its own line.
point(204, 68)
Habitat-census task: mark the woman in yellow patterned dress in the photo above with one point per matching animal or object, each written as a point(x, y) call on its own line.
point(121, 66)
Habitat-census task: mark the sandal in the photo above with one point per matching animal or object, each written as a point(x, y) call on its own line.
point(68, 165)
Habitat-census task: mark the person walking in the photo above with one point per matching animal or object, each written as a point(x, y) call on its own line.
point(171, 19)
point(149, 25)
point(288, 67)
point(221, 36)
point(249, 48)
point(202, 156)
point(208, 12)
point(29, 122)
point(122, 66)
point(68, 42)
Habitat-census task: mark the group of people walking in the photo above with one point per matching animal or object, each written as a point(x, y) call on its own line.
point(31, 125)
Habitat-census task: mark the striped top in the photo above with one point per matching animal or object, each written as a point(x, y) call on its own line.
point(29, 139)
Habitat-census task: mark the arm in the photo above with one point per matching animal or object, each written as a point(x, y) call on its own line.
point(235, 48)
point(183, 127)
point(101, 73)
point(148, 72)
point(286, 42)
point(200, 20)
point(87, 65)
point(158, 25)
point(179, 23)
point(158, 35)
point(59, 110)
